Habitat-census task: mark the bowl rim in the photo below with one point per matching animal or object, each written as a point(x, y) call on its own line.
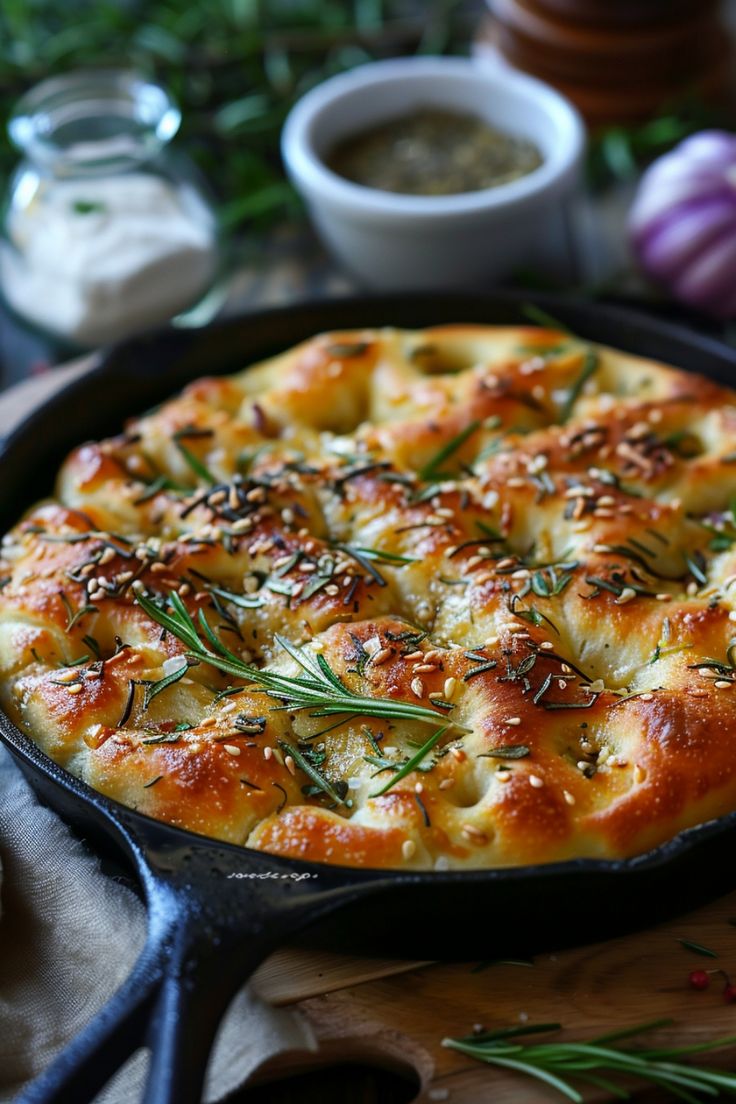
point(312, 176)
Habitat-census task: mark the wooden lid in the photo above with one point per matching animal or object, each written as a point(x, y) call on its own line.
point(624, 12)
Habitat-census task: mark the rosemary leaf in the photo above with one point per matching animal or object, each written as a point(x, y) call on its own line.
point(431, 468)
point(152, 689)
point(697, 948)
point(414, 762)
point(590, 365)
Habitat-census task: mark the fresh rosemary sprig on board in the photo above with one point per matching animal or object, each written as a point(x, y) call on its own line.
point(593, 1062)
point(317, 689)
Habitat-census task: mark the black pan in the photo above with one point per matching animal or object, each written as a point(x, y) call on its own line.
point(216, 910)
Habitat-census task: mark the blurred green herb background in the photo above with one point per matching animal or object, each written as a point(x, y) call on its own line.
point(236, 67)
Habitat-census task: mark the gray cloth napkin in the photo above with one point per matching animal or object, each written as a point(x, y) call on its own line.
point(69, 936)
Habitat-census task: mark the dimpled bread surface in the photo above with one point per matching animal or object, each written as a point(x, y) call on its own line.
point(527, 533)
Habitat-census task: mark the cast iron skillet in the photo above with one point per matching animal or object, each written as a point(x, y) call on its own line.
point(216, 910)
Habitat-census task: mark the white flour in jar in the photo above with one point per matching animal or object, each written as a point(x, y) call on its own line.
point(98, 259)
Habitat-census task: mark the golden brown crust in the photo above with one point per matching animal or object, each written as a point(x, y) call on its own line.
point(536, 531)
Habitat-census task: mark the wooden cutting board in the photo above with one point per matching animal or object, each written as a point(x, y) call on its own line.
point(396, 1013)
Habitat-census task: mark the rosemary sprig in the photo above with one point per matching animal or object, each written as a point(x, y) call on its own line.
point(413, 763)
point(379, 554)
point(152, 689)
point(431, 469)
point(590, 365)
point(245, 601)
point(591, 1061)
point(697, 948)
point(198, 467)
point(317, 688)
point(542, 318)
point(74, 616)
point(319, 781)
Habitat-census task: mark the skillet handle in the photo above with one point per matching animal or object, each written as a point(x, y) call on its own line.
point(196, 956)
point(200, 980)
point(209, 964)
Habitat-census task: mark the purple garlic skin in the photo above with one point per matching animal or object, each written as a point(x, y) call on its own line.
point(683, 222)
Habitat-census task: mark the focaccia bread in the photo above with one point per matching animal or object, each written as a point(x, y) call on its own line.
point(513, 548)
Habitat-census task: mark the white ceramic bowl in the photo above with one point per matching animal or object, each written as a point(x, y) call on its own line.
point(394, 241)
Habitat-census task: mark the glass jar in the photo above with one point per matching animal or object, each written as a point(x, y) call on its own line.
point(107, 231)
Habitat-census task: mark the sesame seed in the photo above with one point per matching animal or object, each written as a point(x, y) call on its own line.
point(417, 687)
point(547, 645)
point(625, 596)
point(513, 721)
point(535, 781)
point(408, 849)
point(473, 834)
point(381, 656)
point(639, 773)
point(290, 764)
point(569, 799)
point(231, 749)
point(76, 688)
point(446, 784)
point(268, 753)
point(66, 676)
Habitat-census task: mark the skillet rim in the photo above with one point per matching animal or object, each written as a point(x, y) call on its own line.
point(111, 363)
